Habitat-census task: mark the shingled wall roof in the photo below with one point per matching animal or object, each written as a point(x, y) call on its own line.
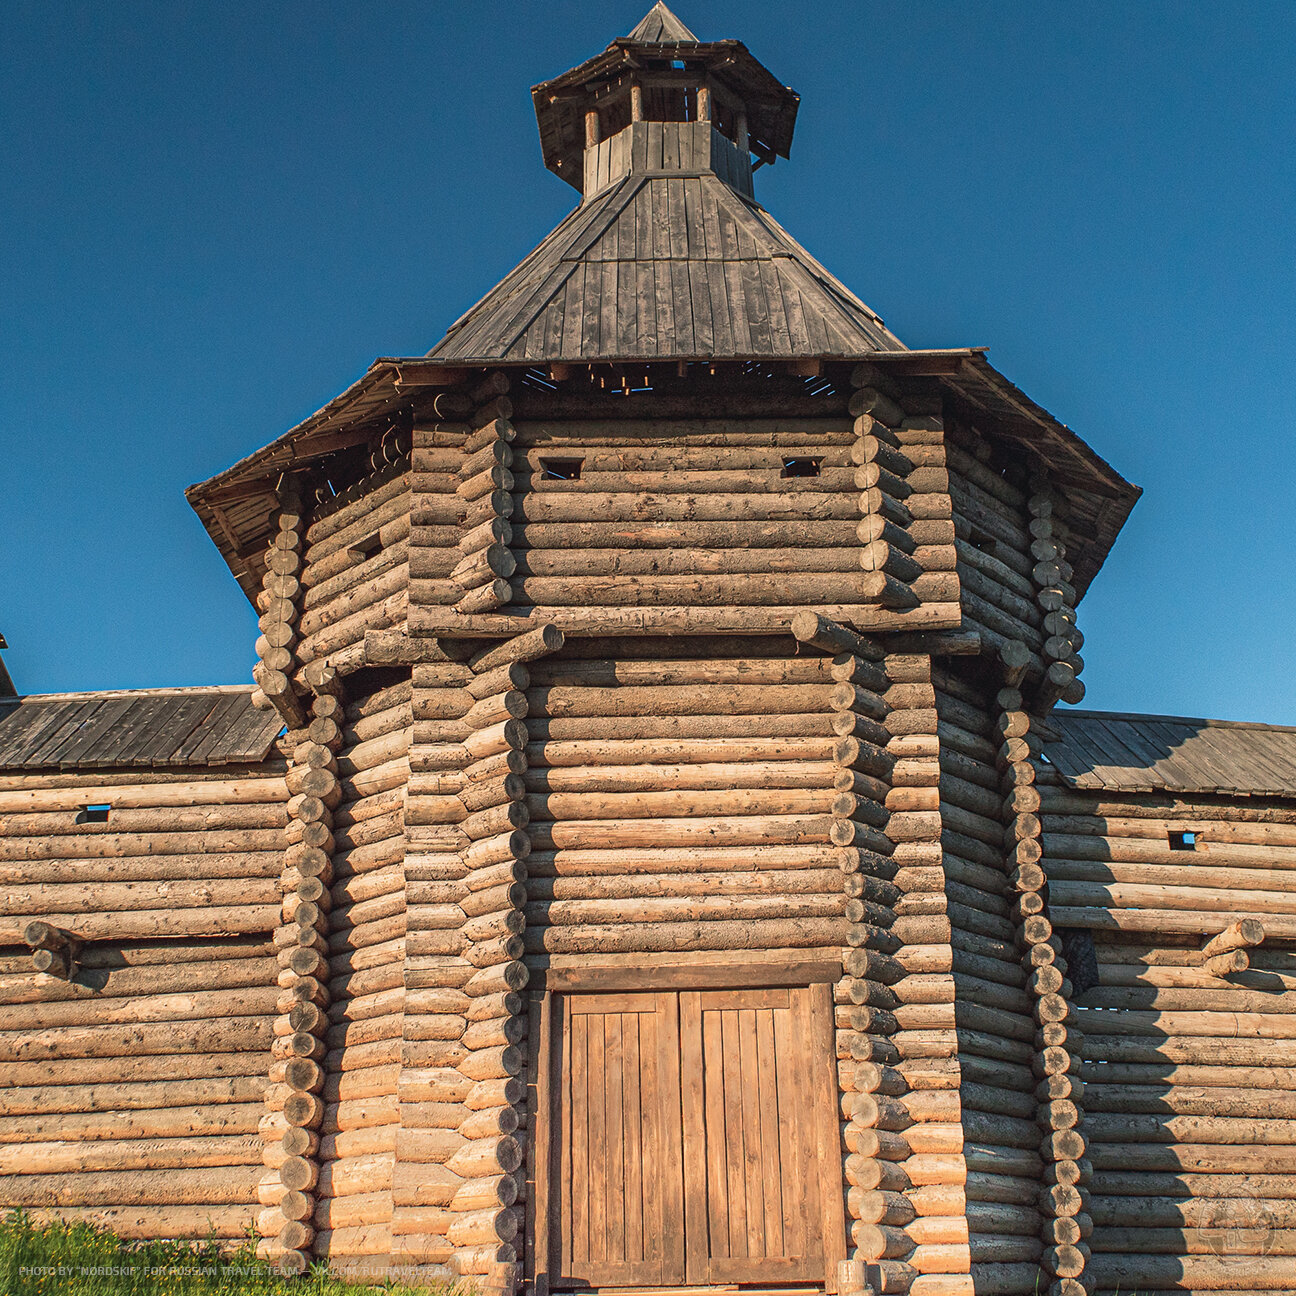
point(666, 268)
point(1120, 752)
point(149, 727)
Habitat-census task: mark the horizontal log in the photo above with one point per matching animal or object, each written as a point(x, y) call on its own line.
point(165, 1122)
point(209, 1220)
point(795, 933)
point(75, 1157)
point(1192, 1273)
point(745, 830)
point(431, 621)
point(216, 1185)
point(734, 534)
point(118, 845)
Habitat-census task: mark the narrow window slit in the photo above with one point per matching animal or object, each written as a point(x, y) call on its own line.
point(801, 467)
point(561, 469)
point(367, 547)
point(985, 544)
point(92, 814)
point(1183, 841)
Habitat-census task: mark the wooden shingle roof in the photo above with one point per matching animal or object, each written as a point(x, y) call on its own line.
point(660, 27)
point(149, 728)
point(1121, 752)
point(666, 267)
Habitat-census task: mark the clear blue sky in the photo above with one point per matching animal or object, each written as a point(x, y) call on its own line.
point(214, 216)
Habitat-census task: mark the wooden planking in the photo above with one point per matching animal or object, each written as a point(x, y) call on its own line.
point(618, 1164)
point(694, 1144)
point(755, 1106)
point(158, 728)
point(632, 248)
point(1148, 753)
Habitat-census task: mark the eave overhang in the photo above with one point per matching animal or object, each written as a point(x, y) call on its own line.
point(237, 506)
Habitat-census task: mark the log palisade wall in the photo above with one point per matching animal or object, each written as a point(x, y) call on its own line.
point(133, 1094)
point(1189, 1073)
point(313, 993)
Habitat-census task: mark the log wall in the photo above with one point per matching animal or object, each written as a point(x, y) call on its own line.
point(990, 1009)
point(916, 1237)
point(361, 1044)
point(632, 519)
point(132, 1092)
point(1187, 1067)
point(354, 566)
point(680, 800)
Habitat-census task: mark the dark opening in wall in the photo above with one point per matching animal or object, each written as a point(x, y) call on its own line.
point(93, 814)
point(561, 469)
point(801, 467)
point(367, 547)
point(1183, 841)
point(986, 544)
point(1082, 958)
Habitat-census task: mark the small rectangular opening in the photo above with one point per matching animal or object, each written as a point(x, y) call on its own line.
point(93, 814)
point(367, 547)
point(560, 469)
point(1183, 841)
point(801, 466)
point(984, 543)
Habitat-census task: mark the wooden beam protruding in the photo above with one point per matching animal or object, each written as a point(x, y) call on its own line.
point(809, 627)
point(525, 647)
point(1226, 952)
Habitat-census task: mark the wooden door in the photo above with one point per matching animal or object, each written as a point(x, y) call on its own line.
point(694, 1140)
point(617, 1168)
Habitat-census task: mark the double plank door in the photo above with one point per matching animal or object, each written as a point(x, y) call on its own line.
point(692, 1140)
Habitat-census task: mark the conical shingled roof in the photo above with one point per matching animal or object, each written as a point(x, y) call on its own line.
point(660, 27)
point(667, 268)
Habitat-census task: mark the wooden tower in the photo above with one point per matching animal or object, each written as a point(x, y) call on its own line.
point(664, 657)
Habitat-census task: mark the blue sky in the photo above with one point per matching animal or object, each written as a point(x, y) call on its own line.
point(214, 216)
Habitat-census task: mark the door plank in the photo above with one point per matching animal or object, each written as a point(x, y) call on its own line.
point(540, 1148)
point(823, 1068)
point(693, 1099)
point(734, 1151)
point(771, 1160)
point(742, 999)
point(604, 1005)
point(668, 1055)
point(597, 1170)
point(634, 1205)
point(715, 1143)
point(791, 1153)
point(806, 1118)
point(578, 1183)
point(655, 1187)
point(750, 1080)
point(613, 1115)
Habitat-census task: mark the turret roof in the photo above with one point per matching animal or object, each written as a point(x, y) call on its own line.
point(667, 267)
point(660, 27)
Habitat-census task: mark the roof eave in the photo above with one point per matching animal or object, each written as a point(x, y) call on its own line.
point(390, 380)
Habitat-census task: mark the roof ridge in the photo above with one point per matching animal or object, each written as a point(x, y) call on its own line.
point(661, 27)
point(91, 694)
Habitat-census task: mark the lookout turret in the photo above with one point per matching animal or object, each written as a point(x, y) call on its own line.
point(660, 101)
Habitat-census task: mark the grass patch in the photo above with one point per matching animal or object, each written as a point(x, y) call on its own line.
point(75, 1258)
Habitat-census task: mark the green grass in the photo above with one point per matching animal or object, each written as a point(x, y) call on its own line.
point(79, 1259)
